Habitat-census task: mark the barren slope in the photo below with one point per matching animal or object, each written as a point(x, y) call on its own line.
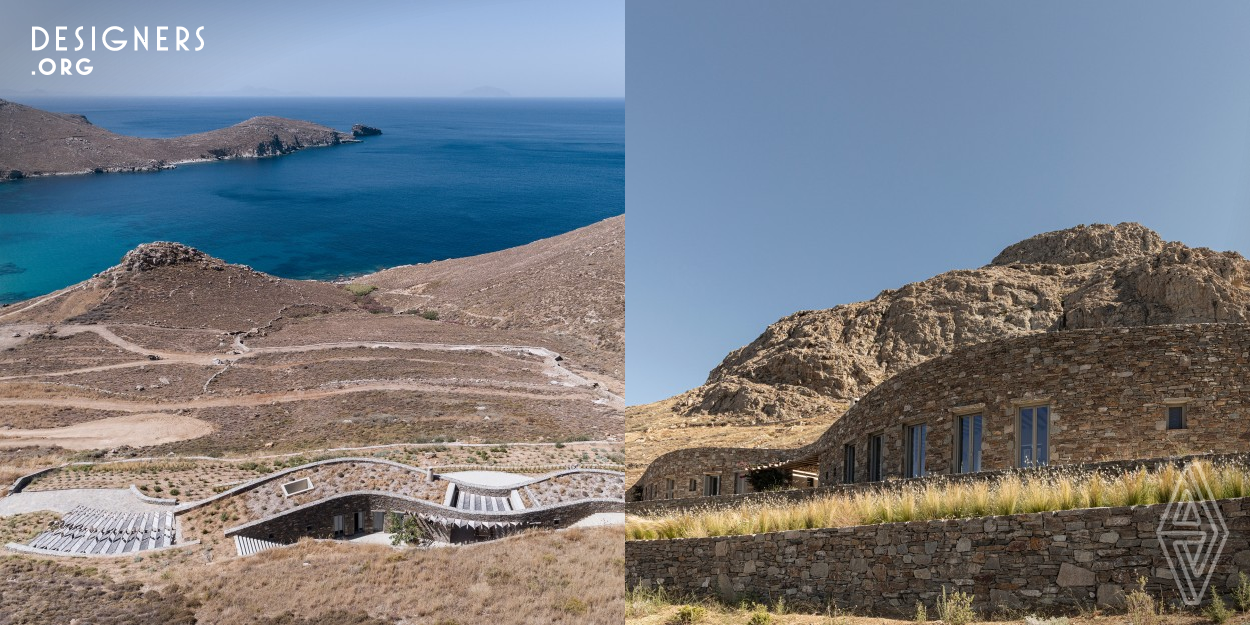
point(279, 364)
point(804, 367)
point(572, 285)
point(36, 143)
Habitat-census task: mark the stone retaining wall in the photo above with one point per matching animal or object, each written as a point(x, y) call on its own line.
point(160, 501)
point(1064, 561)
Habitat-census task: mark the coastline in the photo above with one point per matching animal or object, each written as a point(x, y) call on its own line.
point(166, 166)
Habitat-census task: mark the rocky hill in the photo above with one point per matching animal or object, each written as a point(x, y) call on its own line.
point(34, 142)
point(1083, 277)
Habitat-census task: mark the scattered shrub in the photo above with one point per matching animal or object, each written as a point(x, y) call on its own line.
point(760, 617)
point(1217, 611)
point(688, 614)
point(956, 608)
point(922, 614)
point(573, 605)
point(432, 315)
point(360, 290)
point(1142, 608)
point(1241, 594)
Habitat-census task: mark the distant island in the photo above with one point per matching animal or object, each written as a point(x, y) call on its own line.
point(486, 92)
point(35, 142)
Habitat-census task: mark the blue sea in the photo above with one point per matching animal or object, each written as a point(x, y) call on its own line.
point(448, 178)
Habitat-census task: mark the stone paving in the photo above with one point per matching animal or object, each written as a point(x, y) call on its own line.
point(62, 501)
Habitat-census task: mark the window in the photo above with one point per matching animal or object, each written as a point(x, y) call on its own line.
point(298, 486)
point(1176, 417)
point(875, 444)
point(848, 464)
point(968, 444)
point(1034, 436)
point(694, 484)
point(669, 487)
point(740, 483)
point(711, 485)
point(914, 460)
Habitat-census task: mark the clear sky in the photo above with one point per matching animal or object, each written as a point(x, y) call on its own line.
point(533, 48)
point(803, 154)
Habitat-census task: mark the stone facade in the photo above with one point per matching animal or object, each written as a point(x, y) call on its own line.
point(1107, 391)
point(316, 520)
point(1055, 560)
point(344, 486)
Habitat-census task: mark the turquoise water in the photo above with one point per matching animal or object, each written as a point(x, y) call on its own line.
point(449, 178)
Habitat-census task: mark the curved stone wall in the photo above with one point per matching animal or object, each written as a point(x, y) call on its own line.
point(1108, 392)
point(315, 519)
point(260, 508)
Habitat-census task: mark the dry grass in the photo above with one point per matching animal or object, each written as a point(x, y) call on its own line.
point(564, 577)
point(717, 614)
point(20, 528)
point(571, 576)
point(1012, 494)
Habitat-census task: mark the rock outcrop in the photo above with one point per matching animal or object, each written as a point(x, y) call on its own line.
point(1083, 277)
point(39, 143)
point(164, 254)
point(361, 130)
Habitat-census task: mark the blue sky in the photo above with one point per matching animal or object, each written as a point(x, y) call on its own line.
point(800, 155)
point(535, 48)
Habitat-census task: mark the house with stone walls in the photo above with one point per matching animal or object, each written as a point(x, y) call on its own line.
point(1056, 398)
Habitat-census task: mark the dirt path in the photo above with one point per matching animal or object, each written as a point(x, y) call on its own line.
point(261, 399)
point(559, 375)
point(137, 430)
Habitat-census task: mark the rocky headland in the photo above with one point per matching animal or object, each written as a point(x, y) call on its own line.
point(35, 142)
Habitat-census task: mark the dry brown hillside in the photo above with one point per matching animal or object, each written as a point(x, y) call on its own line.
point(190, 354)
point(804, 367)
point(572, 285)
point(37, 142)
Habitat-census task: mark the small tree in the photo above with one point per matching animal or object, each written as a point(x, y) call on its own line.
point(768, 479)
point(405, 529)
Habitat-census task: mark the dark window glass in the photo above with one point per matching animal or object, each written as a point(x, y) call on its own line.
point(848, 464)
point(916, 435)
point(875, 444)
point(1034, 436)
point(1176, 417)
point(711, 485)
point(969, 443)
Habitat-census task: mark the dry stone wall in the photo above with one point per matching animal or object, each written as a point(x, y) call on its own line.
point(316, 520)
point(1037, 562)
